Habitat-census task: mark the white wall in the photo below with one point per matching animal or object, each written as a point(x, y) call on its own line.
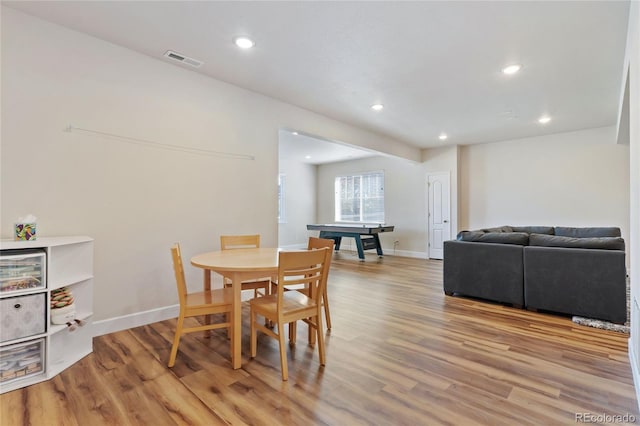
point(632, 60)
point(300, 201)
point(567, 179)
point(137, 200)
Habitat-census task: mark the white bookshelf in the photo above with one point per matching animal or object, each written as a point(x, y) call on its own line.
point(69, 263)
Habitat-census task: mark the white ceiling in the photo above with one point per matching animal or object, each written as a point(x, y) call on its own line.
point(434, 65)
point(311, 150)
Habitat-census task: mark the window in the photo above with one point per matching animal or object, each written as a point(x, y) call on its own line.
point(281, 179)
point(360, 198)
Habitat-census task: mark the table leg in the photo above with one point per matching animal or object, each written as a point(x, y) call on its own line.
point(236, 318)
point(378, 245)
point(207, 280)
point(338, 241)
point(359, 246)
point(207, 287)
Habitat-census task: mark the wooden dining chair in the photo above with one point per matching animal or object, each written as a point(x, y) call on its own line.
point(230, 242)
point(315, 243)
point(215, 301)
point(307, 267)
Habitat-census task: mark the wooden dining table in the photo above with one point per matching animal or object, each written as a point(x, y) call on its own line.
point(238, 265)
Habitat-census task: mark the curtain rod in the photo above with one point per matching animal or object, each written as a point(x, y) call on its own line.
point(70, 128)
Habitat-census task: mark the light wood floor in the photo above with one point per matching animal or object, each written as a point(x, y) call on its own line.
point(400, 353)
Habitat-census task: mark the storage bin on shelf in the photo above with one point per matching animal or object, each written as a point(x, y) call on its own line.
point(22, 316)
point(21, 360)
point(22, 271)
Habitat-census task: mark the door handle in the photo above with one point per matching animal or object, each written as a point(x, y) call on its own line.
point(445, 221)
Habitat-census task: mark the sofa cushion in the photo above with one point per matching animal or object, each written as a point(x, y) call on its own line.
point(564, 231)
point(603, 243)
point(517, 238)
point(534, 229)
point(498, 229)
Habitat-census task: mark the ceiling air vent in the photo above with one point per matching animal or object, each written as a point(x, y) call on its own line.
point(183, 59)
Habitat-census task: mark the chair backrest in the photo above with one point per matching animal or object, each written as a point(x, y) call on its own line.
point(308, 267)
point(317, 243)
point(228, 242)
point(178, 268)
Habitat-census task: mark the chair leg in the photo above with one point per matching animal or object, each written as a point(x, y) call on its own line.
point(293, 331)
point(208, 320)
point(230, 336)
point(176, 342)
point(312, 333)
point(254, 336)
point(283, 352)
point(327, 315)
point(320, 334)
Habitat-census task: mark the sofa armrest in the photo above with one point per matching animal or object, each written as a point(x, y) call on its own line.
point(584, 282)
point(485, 270)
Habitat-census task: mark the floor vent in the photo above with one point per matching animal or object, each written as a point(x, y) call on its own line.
point(183, 59)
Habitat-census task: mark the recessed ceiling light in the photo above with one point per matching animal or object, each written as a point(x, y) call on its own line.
point(307, 157)
point(511, 69)
point(294, 133)
point(544, 119)
point(244, 42)
point(377, 107)
point(443, 136)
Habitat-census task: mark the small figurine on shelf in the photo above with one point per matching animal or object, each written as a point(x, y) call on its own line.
point(73, 325)
point(62, 308)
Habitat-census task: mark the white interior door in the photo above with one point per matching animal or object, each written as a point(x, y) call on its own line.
point(439, 214)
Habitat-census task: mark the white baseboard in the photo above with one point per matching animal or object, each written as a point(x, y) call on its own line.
point(406, 253)
point(633, 357)
point(125, 322)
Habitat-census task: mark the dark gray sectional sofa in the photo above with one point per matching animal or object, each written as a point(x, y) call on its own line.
point(575, 271)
